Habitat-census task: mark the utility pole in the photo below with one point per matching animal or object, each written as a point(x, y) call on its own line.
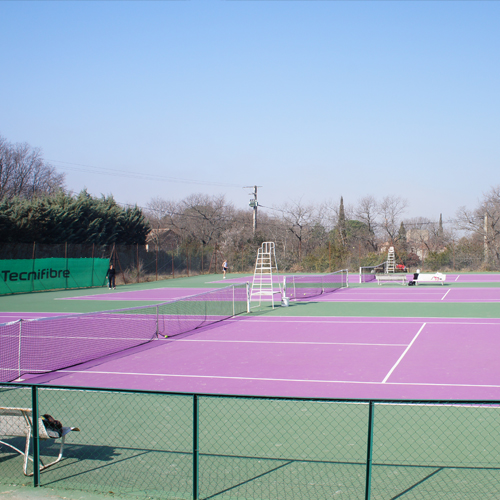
point(254, 204)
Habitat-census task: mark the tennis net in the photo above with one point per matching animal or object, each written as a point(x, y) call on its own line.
point(306, 286)
point(367, 273)
point(48, 344)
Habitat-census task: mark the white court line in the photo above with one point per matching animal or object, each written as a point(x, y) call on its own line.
point(213, 341)
point(449, 290)
point(371, 321)
point(401, 300)
point(284, 342)
point(403, 355)
point(398, 292)
point(262, 379)
point(457, 277)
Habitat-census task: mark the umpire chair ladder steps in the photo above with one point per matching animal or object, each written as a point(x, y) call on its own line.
point(262, 284)
point(391, 261)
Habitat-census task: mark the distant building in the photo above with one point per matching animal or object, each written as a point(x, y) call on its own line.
point(416, 240)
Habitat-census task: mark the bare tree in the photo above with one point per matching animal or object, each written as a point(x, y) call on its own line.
point(24, 172)
point(366, 211)
point(206, 217)
point(484, 222)
point(198, 217)
point(391, 208)
point(299, 219)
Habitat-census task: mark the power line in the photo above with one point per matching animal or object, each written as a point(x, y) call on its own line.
point(80, 167)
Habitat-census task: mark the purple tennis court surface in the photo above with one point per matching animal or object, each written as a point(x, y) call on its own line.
point(410, 358)
point(473, 278)
point(7, 317)
point(354, 278)
point(431, 293)
point(160, 294)
point(423, 293)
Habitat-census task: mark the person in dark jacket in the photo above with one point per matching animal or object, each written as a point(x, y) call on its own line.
point(413, 282)
point(111, 277)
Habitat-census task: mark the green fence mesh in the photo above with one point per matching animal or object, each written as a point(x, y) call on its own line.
point(31, 275)
point(184, 446)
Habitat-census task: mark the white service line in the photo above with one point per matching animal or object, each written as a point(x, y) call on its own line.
point(403, 355)
point(457, 277)
point(283, 342)
point(449, 290)
point(265, 379)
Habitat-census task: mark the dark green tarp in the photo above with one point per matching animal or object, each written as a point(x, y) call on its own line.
point(27, 275)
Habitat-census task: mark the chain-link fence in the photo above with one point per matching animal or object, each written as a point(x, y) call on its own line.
point(133, 263)
point(184, 446)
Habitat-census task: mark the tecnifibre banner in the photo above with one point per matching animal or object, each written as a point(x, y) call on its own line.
point(27, 275)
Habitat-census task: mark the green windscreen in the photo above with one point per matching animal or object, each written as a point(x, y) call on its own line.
point(27, 275)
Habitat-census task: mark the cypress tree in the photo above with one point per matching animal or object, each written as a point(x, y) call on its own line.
point(402, 233)
point(341, 224)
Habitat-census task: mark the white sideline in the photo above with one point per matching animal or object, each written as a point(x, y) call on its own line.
point(403, 355)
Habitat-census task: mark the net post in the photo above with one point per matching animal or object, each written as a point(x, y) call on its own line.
point(19, 349)
point(369, 450)
point(157, 321)
point(35, 436)
point(248, 296)
point(360, 275)
point(347, 278)
point(196, 446)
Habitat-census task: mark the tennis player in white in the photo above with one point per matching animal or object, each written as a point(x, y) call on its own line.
point(224, 268)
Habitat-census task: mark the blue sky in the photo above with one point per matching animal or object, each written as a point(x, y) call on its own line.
point(309, 99)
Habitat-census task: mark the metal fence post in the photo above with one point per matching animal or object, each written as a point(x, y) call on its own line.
point(66, 259)
point(196, 447)
point(92, 278)
point(36, 440)
point(369, 450)
point(33, 267)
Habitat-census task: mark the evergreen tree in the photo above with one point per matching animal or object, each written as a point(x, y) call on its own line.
point(72, 219)
point(341, 225)
point(402, 233)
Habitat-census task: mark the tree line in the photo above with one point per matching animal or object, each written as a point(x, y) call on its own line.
point(35, 206)
point(331, 235)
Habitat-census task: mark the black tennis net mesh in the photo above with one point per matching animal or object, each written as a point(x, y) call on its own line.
point(48, 344)
point(368, 273)
point(307, 286)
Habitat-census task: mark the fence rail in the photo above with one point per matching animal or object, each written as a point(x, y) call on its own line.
point(151, 444)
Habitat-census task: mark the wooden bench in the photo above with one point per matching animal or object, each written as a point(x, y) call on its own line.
point(391, 278)
point(18, 422)
point(431, 278)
